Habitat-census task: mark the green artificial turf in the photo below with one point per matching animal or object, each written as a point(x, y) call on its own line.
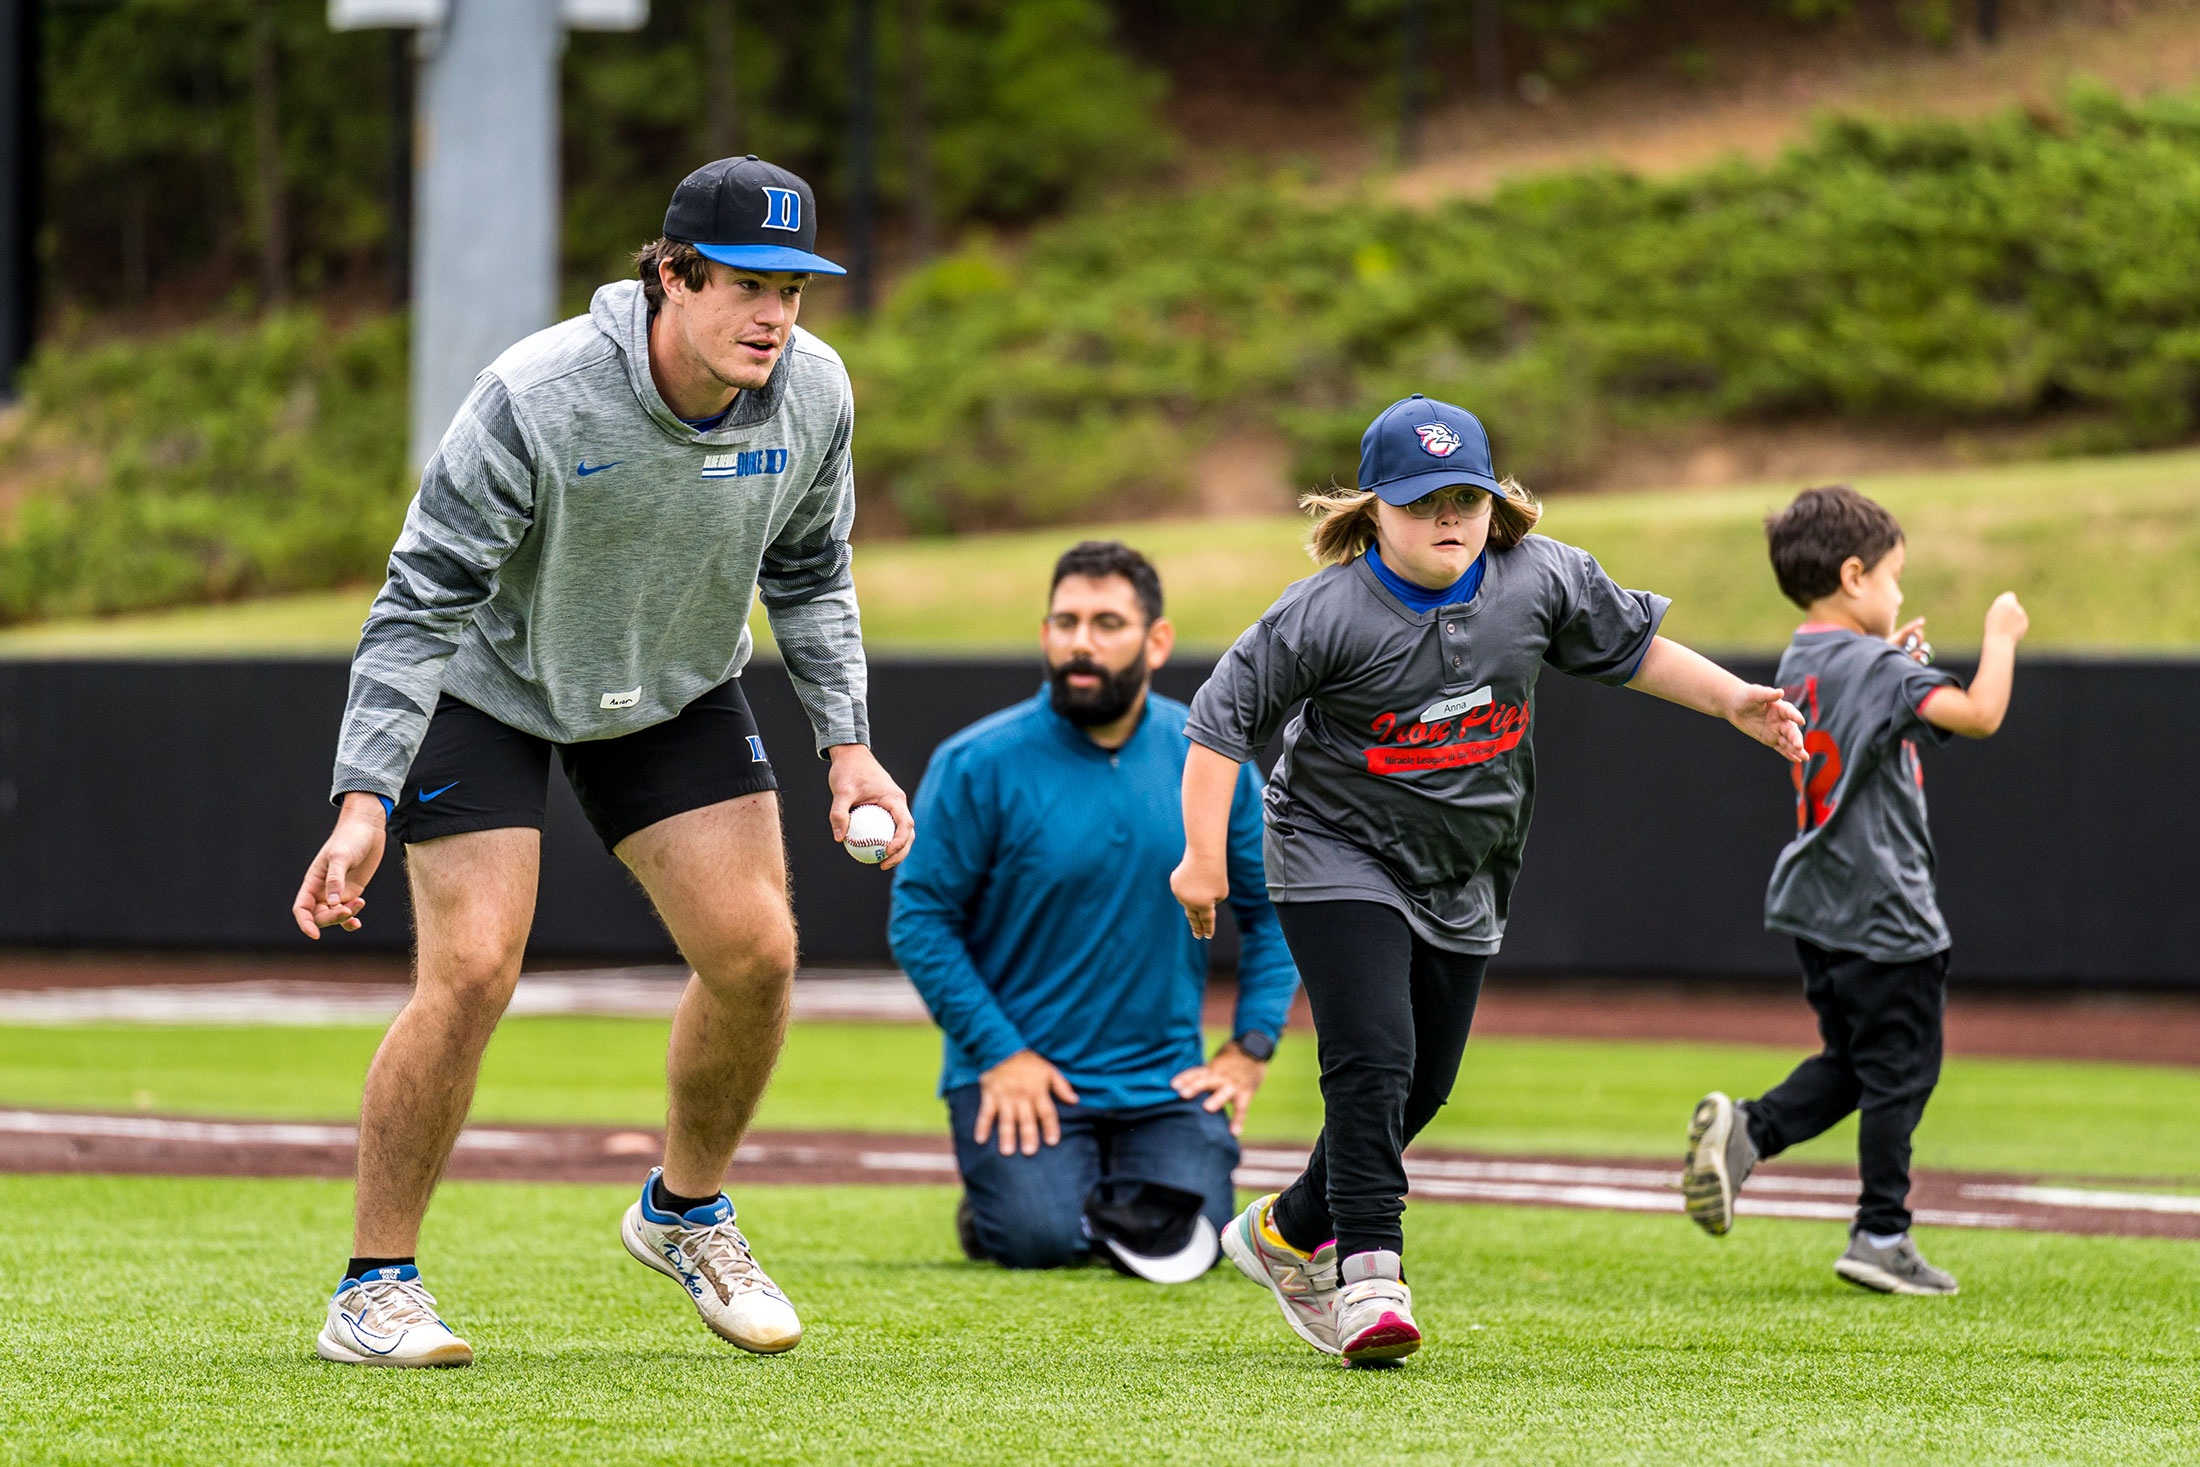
point(2102, 551)
point(1565, 1096)
point(170, 1321)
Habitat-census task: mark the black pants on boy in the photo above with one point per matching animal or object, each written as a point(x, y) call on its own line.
point(1881, 1024)
point(1391, 1015)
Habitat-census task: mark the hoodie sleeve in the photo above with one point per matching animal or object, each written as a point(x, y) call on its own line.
point(476, 503)
point(809, 595)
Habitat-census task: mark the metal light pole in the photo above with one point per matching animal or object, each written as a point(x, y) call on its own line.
point(485, 242)
point(485, 180)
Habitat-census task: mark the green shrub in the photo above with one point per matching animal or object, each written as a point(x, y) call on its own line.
point(210, 465)
point(2037, 268)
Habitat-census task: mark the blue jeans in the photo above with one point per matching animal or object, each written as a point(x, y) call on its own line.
point(1030, 1210)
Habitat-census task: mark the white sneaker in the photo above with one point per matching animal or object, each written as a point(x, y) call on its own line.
point(704, 1253)
point(1304, 1285)
point(1375, 1310)
point(387, 1318)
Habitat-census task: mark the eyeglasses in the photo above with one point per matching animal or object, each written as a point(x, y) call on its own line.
point(1459, 496)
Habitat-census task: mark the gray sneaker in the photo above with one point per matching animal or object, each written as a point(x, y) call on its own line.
point(1375, 1310)
point(1897, 1270)
point(1720, 1158)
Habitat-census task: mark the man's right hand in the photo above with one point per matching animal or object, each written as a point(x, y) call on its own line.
point(1018, 1094)
point(333, 891)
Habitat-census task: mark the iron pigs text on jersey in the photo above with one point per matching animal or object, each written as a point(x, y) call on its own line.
point(1409, 776)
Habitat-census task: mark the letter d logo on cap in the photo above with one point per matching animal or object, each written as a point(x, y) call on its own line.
point(782, 209)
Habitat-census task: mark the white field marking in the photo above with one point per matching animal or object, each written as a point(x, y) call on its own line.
point(1941, 1217)
point(1623, 1189)
point(151, 1128)
point(234, 1133)
point(2183, 1204)
point(645, 992)
point(906, 1161)
point(1564, 1173)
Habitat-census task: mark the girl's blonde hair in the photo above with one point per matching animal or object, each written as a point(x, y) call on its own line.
point(1344, 521)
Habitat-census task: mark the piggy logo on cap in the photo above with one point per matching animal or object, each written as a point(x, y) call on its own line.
point(1439, 440)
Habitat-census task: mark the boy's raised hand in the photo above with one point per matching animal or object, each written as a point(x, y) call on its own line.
point(2007, 618)
point(1769, 718)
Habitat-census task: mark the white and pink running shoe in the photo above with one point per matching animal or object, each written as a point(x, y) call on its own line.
point(1304, 1285)
point(1375, 1310)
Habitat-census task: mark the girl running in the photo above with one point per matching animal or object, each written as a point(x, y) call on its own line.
point(1397, 816)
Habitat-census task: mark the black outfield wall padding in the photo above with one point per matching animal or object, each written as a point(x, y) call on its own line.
point(159, 804)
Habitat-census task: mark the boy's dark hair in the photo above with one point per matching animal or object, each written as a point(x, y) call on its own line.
point(1102, 558)
point(687, 263)
point(1821, 529)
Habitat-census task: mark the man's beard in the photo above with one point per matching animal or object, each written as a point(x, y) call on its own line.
point(1092, 707)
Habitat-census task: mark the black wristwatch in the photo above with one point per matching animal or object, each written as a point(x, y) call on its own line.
point(1256, 1044)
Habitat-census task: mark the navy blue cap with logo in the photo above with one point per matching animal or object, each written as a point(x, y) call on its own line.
point(749, 214)
point(1418, 445)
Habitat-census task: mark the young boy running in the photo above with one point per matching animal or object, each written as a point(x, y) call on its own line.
point(1855, 886)
point(1396, 821)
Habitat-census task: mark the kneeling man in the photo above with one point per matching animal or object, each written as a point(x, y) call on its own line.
point(1037, 923)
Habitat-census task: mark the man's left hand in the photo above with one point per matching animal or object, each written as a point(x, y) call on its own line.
point(1230, 1079)
point(857, 778)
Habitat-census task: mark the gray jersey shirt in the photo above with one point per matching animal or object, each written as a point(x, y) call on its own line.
point(1409, 776)
point(579, 563)
point(1858, 877)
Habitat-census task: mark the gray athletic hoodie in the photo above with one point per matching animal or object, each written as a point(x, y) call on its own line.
point(579, 563)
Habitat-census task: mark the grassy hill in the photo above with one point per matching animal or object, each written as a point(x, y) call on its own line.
point(2105, 553)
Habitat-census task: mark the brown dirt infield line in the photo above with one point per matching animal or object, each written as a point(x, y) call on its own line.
point(56, 1143)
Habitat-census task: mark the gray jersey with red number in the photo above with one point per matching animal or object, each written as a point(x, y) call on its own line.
point(1409, 776)
point(1858, 877)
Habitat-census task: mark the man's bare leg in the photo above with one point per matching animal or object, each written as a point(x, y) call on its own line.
point(718, 877)
point(473, 902)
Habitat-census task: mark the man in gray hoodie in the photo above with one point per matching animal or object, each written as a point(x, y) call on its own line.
point(576, 575)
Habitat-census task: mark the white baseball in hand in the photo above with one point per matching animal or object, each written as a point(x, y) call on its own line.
point(870, 830)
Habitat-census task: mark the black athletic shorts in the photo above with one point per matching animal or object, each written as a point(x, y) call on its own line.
point(474, 773)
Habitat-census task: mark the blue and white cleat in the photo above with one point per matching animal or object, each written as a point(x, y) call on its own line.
point(388, 1318)
point(703, 1252)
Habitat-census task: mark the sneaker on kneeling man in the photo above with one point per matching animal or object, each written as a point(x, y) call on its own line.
point(703, 1252)
point(386, 1317)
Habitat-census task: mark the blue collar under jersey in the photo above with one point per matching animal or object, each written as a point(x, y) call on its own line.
point(705, 425)
point(1421, 598)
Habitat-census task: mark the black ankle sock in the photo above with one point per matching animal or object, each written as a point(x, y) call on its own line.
point(359, 1266)
point(665, 1201)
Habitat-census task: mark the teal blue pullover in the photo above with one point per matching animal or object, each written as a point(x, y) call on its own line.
point(1034, 911)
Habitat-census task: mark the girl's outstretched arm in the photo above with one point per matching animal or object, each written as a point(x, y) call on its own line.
point(1672, 672)
point(1202, 878)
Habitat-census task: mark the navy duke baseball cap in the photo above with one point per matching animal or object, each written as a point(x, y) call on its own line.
point(748, 213)
point(1418, 445)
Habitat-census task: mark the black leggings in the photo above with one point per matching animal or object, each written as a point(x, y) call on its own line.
point(1881, 1025)
point(1391, 1015)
